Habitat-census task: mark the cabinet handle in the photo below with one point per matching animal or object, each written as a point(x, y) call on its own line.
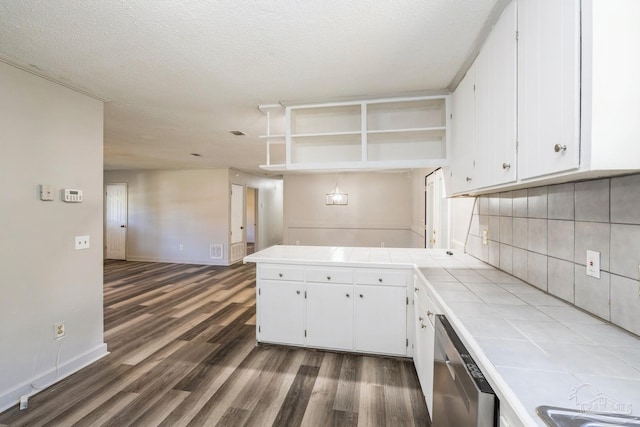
point(558, 148)
point(279, 274)
point(347, 295)
point(420, 318)
point(361, 296)
point(506, 166)
point(328, 277)
point(298, 292)
point(422, 325)
point(380, 280)
point(429, 313)
point(468, 179)
point(416, 289)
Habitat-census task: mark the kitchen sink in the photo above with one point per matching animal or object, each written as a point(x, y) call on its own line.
point(564, 417)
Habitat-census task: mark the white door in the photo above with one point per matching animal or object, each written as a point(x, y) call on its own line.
point(548, 86)
point(238, 246)
point(281, 312)
point(115, 221)
point(381, 319)
point(433, 212)
point(330, 316)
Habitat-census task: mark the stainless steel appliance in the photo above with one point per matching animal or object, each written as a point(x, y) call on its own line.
point(462, 397)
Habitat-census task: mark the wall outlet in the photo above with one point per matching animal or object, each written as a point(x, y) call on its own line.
point(593, 264)
point(485, 237)
point(46, 192)
point(82, 242)
point(59, 331)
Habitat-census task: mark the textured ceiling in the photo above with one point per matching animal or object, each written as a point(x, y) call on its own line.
point(180, 74)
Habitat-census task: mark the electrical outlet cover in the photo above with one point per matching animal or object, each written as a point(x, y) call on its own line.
point(59, 330)
point(593, 264)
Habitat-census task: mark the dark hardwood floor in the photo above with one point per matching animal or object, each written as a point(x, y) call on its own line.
point(182, 352)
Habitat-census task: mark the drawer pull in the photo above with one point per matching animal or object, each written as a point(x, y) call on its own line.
point(380, 280)
point(416, 289)
point(429, 313)
point(347, 295)
point(328, 277)
point(420, 318)
point(280, 275)
point(298, 292)
point(422, 325)
point(361, 296)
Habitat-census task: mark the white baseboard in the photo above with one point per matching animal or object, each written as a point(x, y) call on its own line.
point(52, 376)
point(178, 261)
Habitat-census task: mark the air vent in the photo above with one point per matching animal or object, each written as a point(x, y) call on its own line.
point(237, 132)
point(216, 251)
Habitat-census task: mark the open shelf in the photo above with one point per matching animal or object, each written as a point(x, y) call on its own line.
point(369, 134)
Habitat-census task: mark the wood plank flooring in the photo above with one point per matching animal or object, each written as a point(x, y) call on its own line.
point(183, 353)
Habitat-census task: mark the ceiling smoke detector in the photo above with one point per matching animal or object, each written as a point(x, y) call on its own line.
point(237, 132)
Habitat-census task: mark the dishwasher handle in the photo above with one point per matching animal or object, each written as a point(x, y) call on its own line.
point(449, 365)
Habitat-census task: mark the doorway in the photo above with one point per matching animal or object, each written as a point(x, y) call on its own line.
point(238, 243)
point(115, 220)
point(436, 211)
point(251, 219)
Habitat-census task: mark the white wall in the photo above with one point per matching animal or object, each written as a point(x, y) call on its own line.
point(381, 210)
point(50, 135)
point(461, 209)
point(169, 208)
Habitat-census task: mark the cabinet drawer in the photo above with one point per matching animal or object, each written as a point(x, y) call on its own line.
point(382, 277)
point(330, 276)
point(281, 272)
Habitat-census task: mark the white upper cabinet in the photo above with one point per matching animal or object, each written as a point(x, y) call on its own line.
point(484, 113)
point(548, 86)
point(495, 103)
point(577, 97)
point(463, 135)
point(372, 134)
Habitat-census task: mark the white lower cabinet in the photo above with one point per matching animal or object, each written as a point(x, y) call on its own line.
point(367, 312)
point(423, 353)
point(380, 313)
point(281, 312)
point(330, 316)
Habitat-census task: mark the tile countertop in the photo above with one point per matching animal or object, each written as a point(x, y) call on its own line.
point(535, 349)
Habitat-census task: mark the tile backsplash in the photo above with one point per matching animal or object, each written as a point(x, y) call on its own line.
point(541, 235)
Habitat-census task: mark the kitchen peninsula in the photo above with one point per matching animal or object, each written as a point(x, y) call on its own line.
point(534, 349)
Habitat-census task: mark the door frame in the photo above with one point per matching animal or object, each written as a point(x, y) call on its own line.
point(256, 211)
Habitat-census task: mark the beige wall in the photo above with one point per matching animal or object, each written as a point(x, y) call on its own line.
point(50, 135)
point(384, 208)
point(169, 208)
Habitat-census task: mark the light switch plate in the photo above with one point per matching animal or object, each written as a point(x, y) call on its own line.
point(593, 264)
point(82, 242)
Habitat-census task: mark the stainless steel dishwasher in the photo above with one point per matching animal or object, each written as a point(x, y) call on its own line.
point(462, 397)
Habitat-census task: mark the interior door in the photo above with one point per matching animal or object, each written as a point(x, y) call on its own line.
point(238, 246)
point(433, 212)
point(115, 221)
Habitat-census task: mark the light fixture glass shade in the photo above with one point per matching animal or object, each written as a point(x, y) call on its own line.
point(336, 197)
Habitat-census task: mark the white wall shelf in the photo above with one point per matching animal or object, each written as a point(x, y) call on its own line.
point(371, 134)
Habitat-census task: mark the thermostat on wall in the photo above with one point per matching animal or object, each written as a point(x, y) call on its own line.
point(72, 196)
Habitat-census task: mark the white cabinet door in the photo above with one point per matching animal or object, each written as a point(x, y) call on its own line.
point(548, 86)
point(330, 316)
point(423, 355)
point(462, 125)
point(381, 319)
point(281, 312)
point(495, 104)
